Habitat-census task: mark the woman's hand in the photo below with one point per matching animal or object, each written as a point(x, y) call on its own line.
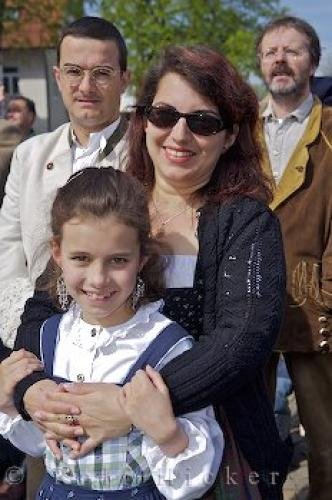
point(38, 399)
point(50, 416)
point(101, 414)
point(13, 369)
point(147, 403)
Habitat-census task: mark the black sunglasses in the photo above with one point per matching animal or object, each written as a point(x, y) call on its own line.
point(201, 123)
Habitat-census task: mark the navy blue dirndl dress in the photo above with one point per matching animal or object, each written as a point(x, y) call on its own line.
point(50, 489)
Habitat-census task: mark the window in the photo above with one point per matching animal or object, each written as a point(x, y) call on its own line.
point(11, 80)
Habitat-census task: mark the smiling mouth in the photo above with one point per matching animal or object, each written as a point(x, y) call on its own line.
point(98, 296)
point(175, 153)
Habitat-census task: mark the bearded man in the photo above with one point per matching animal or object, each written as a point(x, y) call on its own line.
point(296, 131)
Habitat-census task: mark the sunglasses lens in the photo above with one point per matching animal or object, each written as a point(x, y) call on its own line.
point(199, 123)
point(203, 124)
point(162, 117)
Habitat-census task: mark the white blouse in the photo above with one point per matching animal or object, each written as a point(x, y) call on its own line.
point(94, 354)
point(180, 270)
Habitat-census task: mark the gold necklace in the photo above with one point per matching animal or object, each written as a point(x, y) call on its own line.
point(166, 221)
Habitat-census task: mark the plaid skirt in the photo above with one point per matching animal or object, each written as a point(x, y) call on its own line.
point(52, 490)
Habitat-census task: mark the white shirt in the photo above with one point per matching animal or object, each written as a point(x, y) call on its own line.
point(283, 134)
point(86, 156)
point(107, 356)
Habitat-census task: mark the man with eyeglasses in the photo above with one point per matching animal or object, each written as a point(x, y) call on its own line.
point(297, 135)
point(91, 74)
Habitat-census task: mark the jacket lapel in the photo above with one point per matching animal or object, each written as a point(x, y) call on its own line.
point(295, 173)
point(59, 165)
point(113, 141)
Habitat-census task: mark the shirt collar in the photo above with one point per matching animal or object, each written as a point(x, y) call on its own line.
point(299, 113)
point(81, 334)
point(97, 140)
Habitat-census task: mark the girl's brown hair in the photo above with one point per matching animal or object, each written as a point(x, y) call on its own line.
point(101, 192)
point(238, 171)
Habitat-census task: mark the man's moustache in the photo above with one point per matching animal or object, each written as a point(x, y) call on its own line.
point(282, 69)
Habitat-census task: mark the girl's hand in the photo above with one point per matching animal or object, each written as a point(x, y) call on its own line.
point(13, 369)
point(53, 444)
point(38, 398)
point(147, 403)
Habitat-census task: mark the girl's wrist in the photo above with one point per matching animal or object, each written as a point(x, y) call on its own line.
point(176, 442)
point(9, 410)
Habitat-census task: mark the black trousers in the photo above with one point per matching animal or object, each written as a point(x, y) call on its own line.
point(9, 457)
point(311, 374)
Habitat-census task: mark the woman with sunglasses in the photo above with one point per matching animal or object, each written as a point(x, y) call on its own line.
point(192, 144)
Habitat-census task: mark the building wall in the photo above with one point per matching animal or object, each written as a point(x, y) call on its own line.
point(57, 112)
point(36, 82)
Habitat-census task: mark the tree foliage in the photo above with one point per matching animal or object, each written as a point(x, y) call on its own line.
point(227, 25)
point(31, 23)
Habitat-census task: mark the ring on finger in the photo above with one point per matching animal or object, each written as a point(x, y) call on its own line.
point(71, 420)
point(68, 419)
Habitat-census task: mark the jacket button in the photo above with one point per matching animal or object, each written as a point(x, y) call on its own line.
point(325, 332)
point(300, 169)
point(50, 165)
point(322, 319)
point(324, 346)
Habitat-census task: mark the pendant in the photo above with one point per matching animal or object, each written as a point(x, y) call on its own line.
point(159, 233)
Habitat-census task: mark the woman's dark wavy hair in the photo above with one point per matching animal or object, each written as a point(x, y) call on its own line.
point(238, 171)
point(98, 193)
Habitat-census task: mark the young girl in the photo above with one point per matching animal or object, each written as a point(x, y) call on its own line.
point(107, 276)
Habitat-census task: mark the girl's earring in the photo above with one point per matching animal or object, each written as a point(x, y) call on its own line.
point(138, 293)
point(62, 293)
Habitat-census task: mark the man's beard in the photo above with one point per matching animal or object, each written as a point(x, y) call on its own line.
point(278, 89)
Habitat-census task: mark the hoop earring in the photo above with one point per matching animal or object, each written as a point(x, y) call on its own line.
point(62, 293)
point(138, 293)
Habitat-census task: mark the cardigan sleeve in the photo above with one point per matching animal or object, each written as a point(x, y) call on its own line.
point(4, 351)
point(37, 309)
point(243, 270)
